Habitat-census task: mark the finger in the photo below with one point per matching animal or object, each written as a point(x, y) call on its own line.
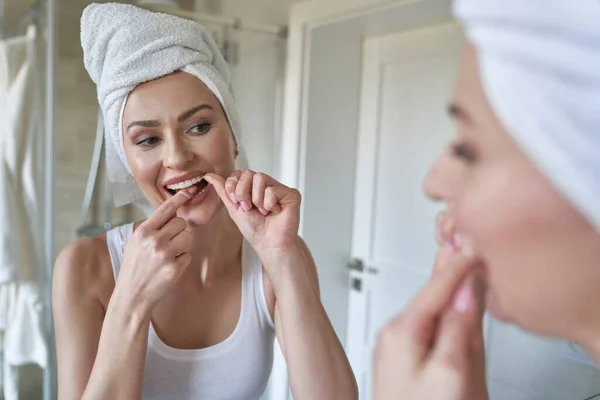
point(480, 291)
point(437, 293)
point(173, 228)
point(449, 230)
point(218, 182)
point(439, 220)
point(271, 201)
point(457, 329)
point(442, 258)
point(167, 210)
point(280, 196)
point(270, 181)
point(275, 193)
point(243, 191)
point(388, 365)
point(259, 185)
point(231, 184)
point(423, 313)
point(477, 343)
point(391, 341)
point(180, 244)
point(445, 228)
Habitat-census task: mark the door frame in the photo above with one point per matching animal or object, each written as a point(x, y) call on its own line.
point(323, 33)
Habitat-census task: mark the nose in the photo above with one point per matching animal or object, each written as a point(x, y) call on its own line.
point(177, 153)
point(441, 178)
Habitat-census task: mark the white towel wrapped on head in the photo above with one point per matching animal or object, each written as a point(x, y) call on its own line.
point(540, 68)
point(125, 46)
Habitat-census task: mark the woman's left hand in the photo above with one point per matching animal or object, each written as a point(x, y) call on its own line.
point(435, 348)
point(266, 212)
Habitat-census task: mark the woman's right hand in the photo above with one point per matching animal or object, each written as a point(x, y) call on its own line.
point(155, 256)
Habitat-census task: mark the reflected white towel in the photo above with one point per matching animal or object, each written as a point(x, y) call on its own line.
point(24, 341)
point(21, 186)
point(124, 46)
point(540, 68)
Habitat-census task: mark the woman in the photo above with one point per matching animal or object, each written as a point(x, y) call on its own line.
point(521, 182)
point(185, 304)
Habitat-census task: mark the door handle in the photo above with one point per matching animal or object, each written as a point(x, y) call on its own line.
point(358, 265)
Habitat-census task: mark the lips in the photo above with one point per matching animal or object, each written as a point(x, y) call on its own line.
point(175, 185)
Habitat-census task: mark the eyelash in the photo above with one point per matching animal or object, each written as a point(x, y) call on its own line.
point(465, 152)
point(207, 126)
point(146, 142)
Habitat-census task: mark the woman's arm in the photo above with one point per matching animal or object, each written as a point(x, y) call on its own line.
point(103, 356)
point(100, 353)
point(317, 364)
point(268, 215)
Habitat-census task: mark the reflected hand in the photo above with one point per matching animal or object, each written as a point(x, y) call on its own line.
point(156, 255)
point(266, 211)
point(435, 348)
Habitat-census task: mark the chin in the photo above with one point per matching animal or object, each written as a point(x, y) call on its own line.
point(522, 317)
point(495, 309)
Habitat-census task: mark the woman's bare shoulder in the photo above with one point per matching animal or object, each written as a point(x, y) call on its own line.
point(83, 268)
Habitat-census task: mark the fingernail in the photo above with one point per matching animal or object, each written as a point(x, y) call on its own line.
point(233, 198)
point(464, 245)
point(189, 192)
point(263, 211)
point(245, 206)
point(464, 299)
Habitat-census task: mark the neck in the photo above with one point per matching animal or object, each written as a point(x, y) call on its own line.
point(592, 348)
point(216, 249)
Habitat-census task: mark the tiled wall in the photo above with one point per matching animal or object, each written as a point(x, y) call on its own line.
point(76, 119)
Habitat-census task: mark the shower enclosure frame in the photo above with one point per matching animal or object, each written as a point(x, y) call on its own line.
point(50, 392)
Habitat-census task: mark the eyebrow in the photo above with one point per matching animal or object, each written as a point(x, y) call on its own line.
point(456, 111)
point(181, 118)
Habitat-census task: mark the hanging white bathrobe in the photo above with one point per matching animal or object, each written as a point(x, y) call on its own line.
point(21, 208)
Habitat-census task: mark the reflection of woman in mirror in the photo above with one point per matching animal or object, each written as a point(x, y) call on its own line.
point(521, 181)
point(186, 304)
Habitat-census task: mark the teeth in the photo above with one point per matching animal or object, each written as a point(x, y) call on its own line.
point(186, 184)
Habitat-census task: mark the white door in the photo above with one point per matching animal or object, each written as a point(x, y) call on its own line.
point(408, 79)
point(407, 82)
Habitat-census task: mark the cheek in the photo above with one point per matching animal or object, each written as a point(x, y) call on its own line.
point(218, 151)
point(539, 252)
point(509, 218)
point(145, 167)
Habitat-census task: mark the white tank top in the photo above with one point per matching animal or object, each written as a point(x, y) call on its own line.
point(238, 368)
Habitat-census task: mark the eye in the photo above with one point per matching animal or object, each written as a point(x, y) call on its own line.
point(148, 142)
point(200, 129)
point(465, 152)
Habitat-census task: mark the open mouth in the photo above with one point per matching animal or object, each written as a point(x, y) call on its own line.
point(199, 182)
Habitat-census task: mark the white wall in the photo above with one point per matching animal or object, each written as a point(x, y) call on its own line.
point(265, 11)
